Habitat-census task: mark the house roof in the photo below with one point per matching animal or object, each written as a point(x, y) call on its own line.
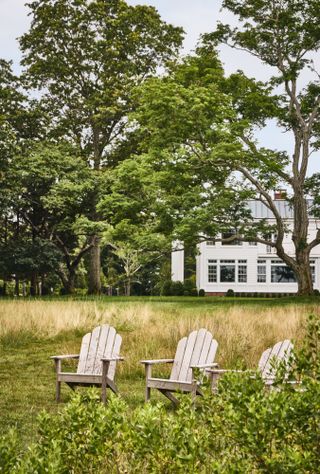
point(260, 210)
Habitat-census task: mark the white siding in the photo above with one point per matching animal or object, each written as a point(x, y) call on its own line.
point(177, 262)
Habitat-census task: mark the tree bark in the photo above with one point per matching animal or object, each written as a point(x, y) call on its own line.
point(17, 286)
point(33, 284)
point(127, 287)
point(94, 285)
point(304, 279)
point(94, 277)
point(68, 281)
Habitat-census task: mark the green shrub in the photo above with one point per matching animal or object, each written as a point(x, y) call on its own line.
point(193, 292)
point(202, 292)
point(9, 452)
point(230, 293)
point(244, 428)
point(166, 289)
point(177, 288)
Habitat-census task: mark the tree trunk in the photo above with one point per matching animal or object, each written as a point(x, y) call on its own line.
point(127, 287)
point(68, 281)
point(300, 240)
point(33, 284)
point(94, 286)
point(305, 285)
point(17, 286)
point(4, 287)
point(70, 284)
point(303, 274)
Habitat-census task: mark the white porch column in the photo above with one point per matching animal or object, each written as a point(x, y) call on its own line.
point(177, 261)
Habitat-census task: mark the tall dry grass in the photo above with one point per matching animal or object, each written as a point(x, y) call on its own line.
point(153, 329)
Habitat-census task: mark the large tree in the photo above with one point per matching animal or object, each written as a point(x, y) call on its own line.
point(283, 34)
point(48, 191)
point(199, 115)
point(87, 56)
point(20, 123)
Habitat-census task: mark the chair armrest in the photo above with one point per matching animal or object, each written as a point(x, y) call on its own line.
point(224, 371)
point(110, 359)
point(204, 366)
point(157, 361)
point(67, 356)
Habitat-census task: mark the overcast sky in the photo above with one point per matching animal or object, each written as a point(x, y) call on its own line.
point(195, 16)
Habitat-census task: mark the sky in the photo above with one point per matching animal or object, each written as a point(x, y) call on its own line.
point(195, 16)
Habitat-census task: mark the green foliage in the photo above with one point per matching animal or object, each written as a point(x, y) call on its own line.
point(178, 288)
point(201, 292)
point(166, 289)
point(230, 293)
point(242, 428)
point(87, 56)
point(25, 256)
point(9, 452)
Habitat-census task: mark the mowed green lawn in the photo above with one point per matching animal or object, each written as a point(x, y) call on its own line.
point(32, 331)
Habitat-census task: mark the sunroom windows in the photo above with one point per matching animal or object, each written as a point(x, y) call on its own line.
point(227, 271)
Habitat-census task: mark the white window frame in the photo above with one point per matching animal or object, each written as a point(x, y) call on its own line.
point(238, 264)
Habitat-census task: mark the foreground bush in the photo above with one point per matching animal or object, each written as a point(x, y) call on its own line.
point(242, 429)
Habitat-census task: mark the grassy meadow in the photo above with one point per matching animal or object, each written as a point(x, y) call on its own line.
point(32, 331)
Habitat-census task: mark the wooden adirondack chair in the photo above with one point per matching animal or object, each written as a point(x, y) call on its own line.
point(98, 357)
point(197, 351)
point(267, 365)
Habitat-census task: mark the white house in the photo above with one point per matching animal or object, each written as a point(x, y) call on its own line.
point(248, 267)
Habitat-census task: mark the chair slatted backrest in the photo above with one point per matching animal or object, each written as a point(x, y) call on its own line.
point(273, 356)
point(197, 349)
point(103, 341)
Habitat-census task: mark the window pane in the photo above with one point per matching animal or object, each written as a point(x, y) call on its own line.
point(261, 273)
point(282, 274)
point(313, 273)
point(242, 273)
point(212, 273)
point(227, 273)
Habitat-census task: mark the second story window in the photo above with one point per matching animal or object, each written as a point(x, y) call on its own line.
point(228, 235)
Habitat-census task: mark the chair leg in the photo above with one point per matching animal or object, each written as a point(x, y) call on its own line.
point(148, 370)
point(105, 368)
point(104, 393)
point(58, 391)
point(58, 383)
point(194, 391)
point(147, 393)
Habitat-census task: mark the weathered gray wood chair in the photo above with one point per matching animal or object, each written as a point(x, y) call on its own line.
point(98, 357)
point(197, 351)
point(268, 363)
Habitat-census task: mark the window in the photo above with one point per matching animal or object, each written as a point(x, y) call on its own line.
point(227, 271)
point(242, 271)
point(280, 273)
point(210, 242)
point(253, 244)
point(313, 270)
point(262, 271)
point(227, 235)
point(212, 271)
